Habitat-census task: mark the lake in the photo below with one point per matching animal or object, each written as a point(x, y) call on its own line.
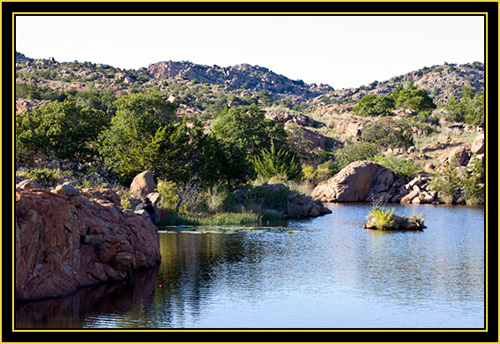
point(321, 273)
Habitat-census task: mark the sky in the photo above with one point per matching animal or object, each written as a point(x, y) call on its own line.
point(341, 51)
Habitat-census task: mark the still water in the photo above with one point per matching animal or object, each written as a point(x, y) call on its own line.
point(325, 272)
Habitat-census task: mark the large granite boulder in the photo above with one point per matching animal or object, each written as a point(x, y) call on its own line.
point(142, 185)
point(360, 181)
point(69, 238)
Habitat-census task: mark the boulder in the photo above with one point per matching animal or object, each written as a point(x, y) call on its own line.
point(352, 129)
point(478, 145)
point(142, 185)
point(66, 241)
point(461, 153)
point(360, 181)
point(28, 184)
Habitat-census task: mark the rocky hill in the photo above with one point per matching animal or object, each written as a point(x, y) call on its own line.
point(204, 89)
point(440, 82)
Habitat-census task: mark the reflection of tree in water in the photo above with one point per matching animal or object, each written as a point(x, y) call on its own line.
point(73, 310)
point(190, 263)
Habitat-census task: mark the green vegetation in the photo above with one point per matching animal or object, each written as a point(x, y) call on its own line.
point(457, 185)
point(388, 133)
point(375, 105)
point(399, 166)
point(382, 218)
point(412, 98)
point(58, 130)
point(215, 137)
point(469, 109)
point(401, 98)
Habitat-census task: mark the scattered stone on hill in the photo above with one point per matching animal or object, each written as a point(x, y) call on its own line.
point(26, 105)
point(66, 240)
point(461, 153)
point(478, 145)
point(286, 117)
point(350, 128)
point(440, 145)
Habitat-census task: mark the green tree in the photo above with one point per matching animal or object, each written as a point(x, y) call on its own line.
point(223, 162)
point(59, 130)
point(455, 110)
point(412, 98)
point(270, 163)
point(146, 134)
point(374, 105)
point(246, 130)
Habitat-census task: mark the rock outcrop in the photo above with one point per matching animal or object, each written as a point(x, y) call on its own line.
point(360, 181)
point(71, 238)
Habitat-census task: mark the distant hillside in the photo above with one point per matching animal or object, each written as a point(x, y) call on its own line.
point(202, 89)
point(440, 82)
point(242, 76)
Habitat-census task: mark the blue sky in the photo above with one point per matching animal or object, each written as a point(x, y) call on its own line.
point(342, 51)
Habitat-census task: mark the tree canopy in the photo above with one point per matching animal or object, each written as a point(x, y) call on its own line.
point(146, 134)
point(59, 130)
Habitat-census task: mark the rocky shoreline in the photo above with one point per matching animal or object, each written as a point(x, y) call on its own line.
point(70, 238)
point(366, 181)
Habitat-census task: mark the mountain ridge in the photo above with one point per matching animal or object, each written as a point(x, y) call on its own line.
point(196, 85)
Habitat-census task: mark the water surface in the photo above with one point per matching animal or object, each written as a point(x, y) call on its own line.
point(325, 272)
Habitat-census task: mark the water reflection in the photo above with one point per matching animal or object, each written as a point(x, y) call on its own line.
point(74, 310)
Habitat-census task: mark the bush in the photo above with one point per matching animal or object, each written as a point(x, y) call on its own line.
point(374, 105)
point(44, 176)
point(381, 217)
point(272, 163)
point(399, 166)
point(387, 132)
point(352, 153)
point(169, 197)
point(218, 199)
point(456, 185)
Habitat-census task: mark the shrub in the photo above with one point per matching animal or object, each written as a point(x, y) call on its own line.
point(456, 185)
point(218, 198)
point(387, 132)
point(351, 153)
point(381, 217)
point(272, 163)
point(44, 176)
point(374, 105)
point(399, 166)
point(169, 197)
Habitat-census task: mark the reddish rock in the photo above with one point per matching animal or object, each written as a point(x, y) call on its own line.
point(63, 243)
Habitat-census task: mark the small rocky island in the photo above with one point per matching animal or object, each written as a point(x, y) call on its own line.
point(384, 219)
